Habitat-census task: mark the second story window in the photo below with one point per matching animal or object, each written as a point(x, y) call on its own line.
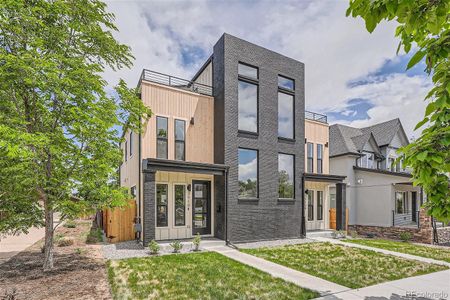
point(367, 160)
point(310, 157)
point(126, 150)
point(319, 158)
point(285, 115)
point(161, 137)
point(180, 148)
point(247, 98)
point(131, 144)
point(286, 83)
point(285, 176)
point(248, 173)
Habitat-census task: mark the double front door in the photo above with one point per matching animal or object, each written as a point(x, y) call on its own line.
point(201, 207)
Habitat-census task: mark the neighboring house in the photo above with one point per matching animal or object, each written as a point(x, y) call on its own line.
point(379, 190)
point(223, 153)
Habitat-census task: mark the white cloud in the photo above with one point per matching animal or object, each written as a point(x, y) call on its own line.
point(334, 48)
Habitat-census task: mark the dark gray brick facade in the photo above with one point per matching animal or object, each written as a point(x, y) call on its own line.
point(268, 217)
point(149, 207)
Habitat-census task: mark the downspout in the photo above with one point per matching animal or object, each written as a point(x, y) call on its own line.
point(303, 222)
point(226, 207)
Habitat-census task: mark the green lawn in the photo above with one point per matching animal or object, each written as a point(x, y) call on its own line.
point(205, 275)
point(403, 247)
point(346, 266)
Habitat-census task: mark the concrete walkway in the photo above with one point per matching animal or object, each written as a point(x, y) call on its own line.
point(429, 286)
point(384, 251)
point(304, 280)
point(13, 244)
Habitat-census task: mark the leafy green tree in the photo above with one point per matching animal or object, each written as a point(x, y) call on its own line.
point(58, 126)
point(423, 27)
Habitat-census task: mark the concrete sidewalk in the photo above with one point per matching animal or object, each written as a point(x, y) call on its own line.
point(13, 244)
point(384, 251)
point(429, 286)
point(304, 280)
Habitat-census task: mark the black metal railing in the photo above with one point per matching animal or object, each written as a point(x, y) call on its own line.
point(176, 82)
point(407, 218)
point(315, 116)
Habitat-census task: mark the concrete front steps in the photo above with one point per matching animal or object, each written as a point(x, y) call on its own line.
point(319, 234)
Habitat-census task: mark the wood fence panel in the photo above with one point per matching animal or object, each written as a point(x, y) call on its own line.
point(120, 223)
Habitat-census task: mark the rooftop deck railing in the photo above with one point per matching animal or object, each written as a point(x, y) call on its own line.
point(315, 116)
point(176, 82)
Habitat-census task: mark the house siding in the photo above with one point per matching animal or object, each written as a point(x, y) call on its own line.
point(267, 218)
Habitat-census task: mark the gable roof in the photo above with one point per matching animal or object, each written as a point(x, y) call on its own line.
point(350, 140)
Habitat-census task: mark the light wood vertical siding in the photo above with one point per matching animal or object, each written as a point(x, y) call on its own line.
point(206, 76)
point(318, 133)
point(184, 105)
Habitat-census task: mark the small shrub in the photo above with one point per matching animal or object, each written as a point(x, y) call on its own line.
point(94, 236)
point(64, 242)
point(153, 246)
point(354, 234)
point(197, 240)
point(79, 251)
point(405, 236)
point(177, 246)
point(70, 224)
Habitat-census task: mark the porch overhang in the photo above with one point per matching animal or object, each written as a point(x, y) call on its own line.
point(151, 165)
point(323, 178)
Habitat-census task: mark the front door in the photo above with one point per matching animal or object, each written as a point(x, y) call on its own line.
point(201, 207)
point(414, 206)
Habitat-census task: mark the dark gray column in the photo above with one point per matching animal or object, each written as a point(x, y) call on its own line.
point(149, 207)
point(340, 205)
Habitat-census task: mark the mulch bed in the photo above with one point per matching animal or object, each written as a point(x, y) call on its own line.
point(79, 270)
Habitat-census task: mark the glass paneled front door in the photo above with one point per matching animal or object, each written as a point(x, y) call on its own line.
point(201, 206)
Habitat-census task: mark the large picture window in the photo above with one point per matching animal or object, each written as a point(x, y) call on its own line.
point(401, 202)
point(319, 158)
point(285, 176)
point(180, 205)
point(310, 195)
point(285, 115)
point(248, 173)
point(319, 205)
point(248, 106)
point(161, 205)
point(310, 157)
point(161, 137)
point(180, 127)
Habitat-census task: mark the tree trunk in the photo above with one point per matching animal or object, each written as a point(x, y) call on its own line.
point(48, 246)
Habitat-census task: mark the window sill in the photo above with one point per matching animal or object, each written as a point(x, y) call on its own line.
point(288, 200)
point(248, 134)
point(248, 200)
point(286, 140)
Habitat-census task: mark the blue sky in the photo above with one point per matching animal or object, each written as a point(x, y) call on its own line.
point(354, 77)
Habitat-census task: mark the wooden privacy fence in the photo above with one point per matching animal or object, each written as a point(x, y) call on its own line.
point(118, 223)
point(333, 219)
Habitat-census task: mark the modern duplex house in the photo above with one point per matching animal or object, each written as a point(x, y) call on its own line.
point(380, 194)
point(224, 153)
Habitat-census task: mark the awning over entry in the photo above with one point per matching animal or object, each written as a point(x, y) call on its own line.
point(323, 177)
point(155, 164)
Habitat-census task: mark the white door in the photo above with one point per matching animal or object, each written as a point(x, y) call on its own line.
point(314, 210)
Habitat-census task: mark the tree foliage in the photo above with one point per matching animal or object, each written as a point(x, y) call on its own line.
point(424, 27)
point(58, 125)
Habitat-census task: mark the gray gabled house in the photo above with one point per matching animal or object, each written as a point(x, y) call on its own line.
point(380, 195)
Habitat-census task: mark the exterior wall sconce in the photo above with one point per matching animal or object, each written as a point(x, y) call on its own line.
point(192, 121)
point(189, 187)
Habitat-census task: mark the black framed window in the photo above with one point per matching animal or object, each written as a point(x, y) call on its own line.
point(161, 205)
point(319, 158)
point(248, 173)
point(285, 115)
point(285, 176)
point(180, 205)
point(180, 136)
point(319, 205)
point(286, 83)
point(133, 191)
point(248, 106)
point(126, 150)
point(310, 157)
point(131, 144)
point(161, 137)
point(310, 205)
point(401, 202)
point(247, 71)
